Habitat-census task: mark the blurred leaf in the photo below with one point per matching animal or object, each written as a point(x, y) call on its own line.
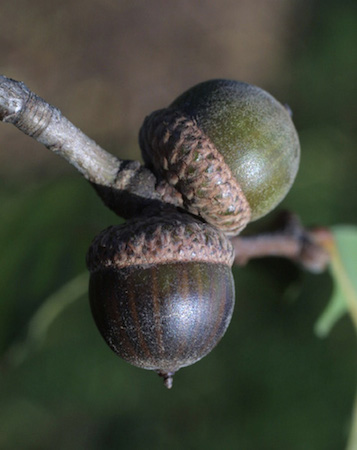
point(44, 235)
point(48, 312)
point(343, 269)
point(55, 304)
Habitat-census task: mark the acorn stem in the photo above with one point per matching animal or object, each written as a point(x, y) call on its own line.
point(306, 246)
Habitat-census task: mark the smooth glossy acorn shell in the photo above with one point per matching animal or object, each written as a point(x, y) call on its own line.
point(163, 316)
point(253, 132)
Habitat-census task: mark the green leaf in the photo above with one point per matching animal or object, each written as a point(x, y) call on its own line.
point(343, 269)
point(44, 317)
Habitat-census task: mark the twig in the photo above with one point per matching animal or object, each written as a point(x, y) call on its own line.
point(125, 186)
point(45, 123)
point(291, 240)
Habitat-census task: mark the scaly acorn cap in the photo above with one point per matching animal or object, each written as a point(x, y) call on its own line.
point(177, 150)
point(165, 237)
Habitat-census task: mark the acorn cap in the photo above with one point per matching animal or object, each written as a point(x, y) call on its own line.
point(165, 237)
point(176, 149)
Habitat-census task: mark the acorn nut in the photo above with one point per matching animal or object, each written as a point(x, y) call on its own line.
point(228, 147)
point(161, 290)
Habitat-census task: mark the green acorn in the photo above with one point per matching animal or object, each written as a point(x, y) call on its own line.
point(228, 147)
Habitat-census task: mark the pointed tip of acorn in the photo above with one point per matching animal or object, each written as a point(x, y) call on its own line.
point(168, 378)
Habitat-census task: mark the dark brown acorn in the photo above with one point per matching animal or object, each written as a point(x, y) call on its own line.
point(161, 290)
point(228, 147)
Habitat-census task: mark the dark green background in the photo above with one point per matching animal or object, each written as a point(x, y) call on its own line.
point(271, 384)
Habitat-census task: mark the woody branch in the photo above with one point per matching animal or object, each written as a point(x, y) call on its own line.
point(128, 187)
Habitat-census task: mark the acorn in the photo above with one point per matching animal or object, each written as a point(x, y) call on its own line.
point(228, 147)
point(161, 290)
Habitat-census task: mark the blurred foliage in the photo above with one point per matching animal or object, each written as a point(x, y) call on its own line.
point(271, 384)
point(343, 269)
